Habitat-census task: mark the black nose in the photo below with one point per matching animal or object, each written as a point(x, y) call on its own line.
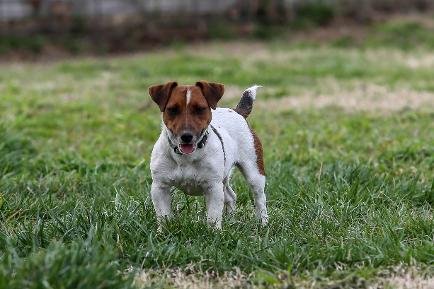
point(186, 137)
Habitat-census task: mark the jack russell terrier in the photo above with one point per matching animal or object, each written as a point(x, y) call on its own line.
point(199, 146)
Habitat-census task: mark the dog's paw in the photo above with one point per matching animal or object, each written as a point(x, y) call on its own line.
point(264, 220)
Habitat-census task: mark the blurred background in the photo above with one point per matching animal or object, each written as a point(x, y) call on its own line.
point(63, 27)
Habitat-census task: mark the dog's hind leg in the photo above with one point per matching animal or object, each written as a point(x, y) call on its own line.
point(230, 196)
point(257, 183)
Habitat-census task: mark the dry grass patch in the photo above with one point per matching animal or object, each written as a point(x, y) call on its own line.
point(364, 97)
point(407, 281)
point(406, 278)
point(188, 279)
point(254, 51)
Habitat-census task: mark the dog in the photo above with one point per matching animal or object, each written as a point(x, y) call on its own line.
point(199, 146)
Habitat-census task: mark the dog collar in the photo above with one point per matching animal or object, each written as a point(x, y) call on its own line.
point(200, 144)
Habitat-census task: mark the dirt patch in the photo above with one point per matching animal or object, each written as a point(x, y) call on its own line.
point(364, 97)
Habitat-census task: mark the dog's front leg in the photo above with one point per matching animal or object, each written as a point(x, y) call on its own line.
point(161, 197)
point(215, 198)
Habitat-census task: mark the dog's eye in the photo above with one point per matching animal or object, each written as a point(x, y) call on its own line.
point(172, 111)
point(199, 110)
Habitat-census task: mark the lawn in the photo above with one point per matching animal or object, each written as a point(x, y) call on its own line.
point(348, 135)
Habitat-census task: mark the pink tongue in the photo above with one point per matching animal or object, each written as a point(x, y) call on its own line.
point(186, 148)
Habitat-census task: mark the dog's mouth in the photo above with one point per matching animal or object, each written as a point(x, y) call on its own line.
point(187, 148)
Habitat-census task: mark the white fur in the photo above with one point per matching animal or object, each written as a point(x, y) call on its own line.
point(188, 96)
point(204, 172)
point(252, 90)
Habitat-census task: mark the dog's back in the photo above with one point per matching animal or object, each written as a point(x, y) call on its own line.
point(243, 142)
point(239, 139)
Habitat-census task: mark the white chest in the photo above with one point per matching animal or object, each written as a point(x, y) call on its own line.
point(191, 179)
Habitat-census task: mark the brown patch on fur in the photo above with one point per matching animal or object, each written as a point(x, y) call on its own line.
point(245, 106)
point(259, 153)
point(160, 94)
point(211, 91)
point(179, 116)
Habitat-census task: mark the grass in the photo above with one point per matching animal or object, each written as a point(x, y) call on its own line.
point(405, 34)
point(350, 193)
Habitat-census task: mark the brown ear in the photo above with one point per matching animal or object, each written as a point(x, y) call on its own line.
point(161, 93)
point(212, 92)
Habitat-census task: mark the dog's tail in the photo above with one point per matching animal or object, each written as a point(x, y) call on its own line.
point(244, 107)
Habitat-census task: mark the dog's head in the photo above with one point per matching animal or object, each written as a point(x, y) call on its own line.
point(186, 110)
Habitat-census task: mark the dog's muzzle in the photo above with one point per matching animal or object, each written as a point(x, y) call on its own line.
point(189, 148)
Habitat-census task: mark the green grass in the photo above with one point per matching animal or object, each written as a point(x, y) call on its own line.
point(350, 193)
point(405, 34)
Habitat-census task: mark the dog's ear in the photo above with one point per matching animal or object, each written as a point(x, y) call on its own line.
point(212, 92)
point(161, 93)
